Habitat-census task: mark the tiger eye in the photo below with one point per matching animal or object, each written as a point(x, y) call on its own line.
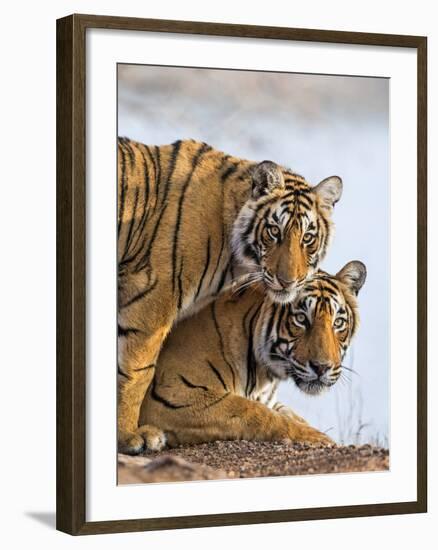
point(339, 322)
point(301, 318)
point(273, 231)
point(308, 238)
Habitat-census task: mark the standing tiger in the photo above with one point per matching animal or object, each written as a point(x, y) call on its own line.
point(218, 371)
point(189, 219)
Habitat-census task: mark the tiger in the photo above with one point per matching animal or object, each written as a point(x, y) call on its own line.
point(190, 220)
point(218, 372)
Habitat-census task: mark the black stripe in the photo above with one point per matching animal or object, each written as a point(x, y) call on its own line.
point(131, 224)
point(147, 367)
point(158, 174)
point(124, 331)
point(190, 384)
point(304, 200)
point(119, 371)
point(173, 160)
point(298, 192)
point(221, 343)
point(284, 312)
point(220, 254)
point(330, 291)
point(228, 172)
point(218, 374)
point(270, 326)
point(271, 395)
point(252, 223)
point(231, 267)
point(123, 184)
point(223, 278)
point(225, 160)
point(245, 317)
point(352, 319)
point(176, 147)
point(217, 400)
point(327, 283)
point(206, 266)
point(297, 184)
point(260, 225)
point(131, 152)
point(164, 401)
point(151, 157)
point(244, 175)
point(141, 295)
point(250, 252)
point(204, 147)
point(144, 216)
point(251, 363)
point(325, 234)
point(297, 203)
point(180, 289)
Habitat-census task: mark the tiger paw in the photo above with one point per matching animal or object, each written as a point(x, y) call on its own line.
point(146, 437)
point(130, 443)
point(154, 438)
point(286, 411)
point(311, 436)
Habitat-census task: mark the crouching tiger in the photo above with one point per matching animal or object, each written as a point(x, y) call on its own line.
point(218, 372)
point(189, 217)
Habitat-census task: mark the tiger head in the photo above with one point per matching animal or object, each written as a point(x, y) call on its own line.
point(307, 339)
point(282, 232)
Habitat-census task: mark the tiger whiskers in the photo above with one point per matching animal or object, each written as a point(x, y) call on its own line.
point(350, 370)
point(247, 281)
point(344, 378)
point(244, 285)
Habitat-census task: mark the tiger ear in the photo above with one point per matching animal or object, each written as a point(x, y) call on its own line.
point(266, 177)
point(329, 191)
point(353, 275)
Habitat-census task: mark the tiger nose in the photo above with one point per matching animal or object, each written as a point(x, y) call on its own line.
point(319, 368)
point(285, 283)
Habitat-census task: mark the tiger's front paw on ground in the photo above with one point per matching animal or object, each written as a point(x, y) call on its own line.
point(145, 438)
point(310, 436)
point(154, 438)
point(130, 443)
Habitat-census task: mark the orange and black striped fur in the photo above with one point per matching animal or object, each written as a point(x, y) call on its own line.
point(190, 218)
point(218, 371)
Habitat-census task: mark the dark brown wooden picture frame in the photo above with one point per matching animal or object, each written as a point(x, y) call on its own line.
point(71, 270)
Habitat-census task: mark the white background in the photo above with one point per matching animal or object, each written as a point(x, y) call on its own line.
point(28, 245)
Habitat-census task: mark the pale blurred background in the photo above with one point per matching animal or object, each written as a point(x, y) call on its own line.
point(319, 126)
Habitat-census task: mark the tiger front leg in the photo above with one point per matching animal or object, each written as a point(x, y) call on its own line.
point(287, 411)
point(259, 422)
point(234, 417)
point(137, 358)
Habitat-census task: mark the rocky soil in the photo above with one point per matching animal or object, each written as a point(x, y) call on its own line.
point(243, 459)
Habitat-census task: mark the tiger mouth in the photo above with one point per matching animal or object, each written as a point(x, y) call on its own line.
point(313, 387)
point(283, 296)
point(310, 386)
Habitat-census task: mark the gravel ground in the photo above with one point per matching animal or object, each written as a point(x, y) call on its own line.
point(240, 459)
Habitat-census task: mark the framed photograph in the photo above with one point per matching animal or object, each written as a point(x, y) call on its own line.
point(241, 274)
